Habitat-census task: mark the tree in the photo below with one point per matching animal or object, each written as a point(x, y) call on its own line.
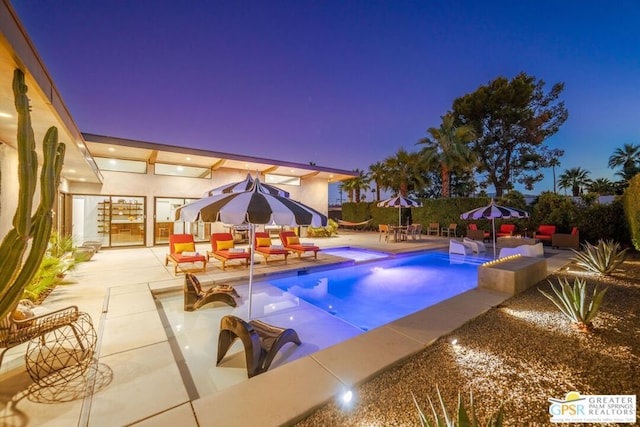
point(405, 172)
point(448, 148)
point(575, 178)
point(356, 186)
point(629, 158)
point(511, 120)
point(602, 186)
point(377, 173)
point(552, 158)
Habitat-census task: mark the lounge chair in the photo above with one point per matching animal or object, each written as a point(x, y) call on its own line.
point(292, 243)
point(476, 245)
point(195, 297)
point(223, 249)
point(182, 249)
point(506, 230)
point(534, 251)
point(544, 233)
point(458, 247)
point(261, 341)
point(563, 240)
point(262, 245)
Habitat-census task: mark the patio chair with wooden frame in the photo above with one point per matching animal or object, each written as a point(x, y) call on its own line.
point(450, 231)
point(262, 245)
point(223, 249)
point(182, 250)
point(261, 341)
point(433, 229)
point(292, 242)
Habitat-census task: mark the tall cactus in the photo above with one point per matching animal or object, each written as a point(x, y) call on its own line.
point(16, 270)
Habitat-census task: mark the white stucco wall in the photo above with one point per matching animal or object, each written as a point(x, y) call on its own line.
point(312, 192)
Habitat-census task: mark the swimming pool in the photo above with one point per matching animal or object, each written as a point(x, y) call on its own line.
point(372, 294)
point(356, 254)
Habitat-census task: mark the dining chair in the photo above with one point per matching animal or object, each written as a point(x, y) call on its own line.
point(434, 228)
point(383, 229)
point(451, 230)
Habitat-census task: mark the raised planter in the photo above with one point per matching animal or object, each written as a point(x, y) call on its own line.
point(512, 274)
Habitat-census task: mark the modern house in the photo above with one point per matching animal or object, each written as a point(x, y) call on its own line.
point(119, 191)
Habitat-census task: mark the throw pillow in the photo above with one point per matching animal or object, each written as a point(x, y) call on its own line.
point(181, 247)
point(263, 241)
point(224, 244)
point(293, 240)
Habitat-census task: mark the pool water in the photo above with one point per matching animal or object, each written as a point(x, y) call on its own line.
point(372, 294)
point(356, 254)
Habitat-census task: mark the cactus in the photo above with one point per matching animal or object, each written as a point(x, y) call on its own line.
point(16, 269)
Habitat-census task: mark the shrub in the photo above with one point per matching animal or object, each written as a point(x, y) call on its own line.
point(572, 302)
point(462, 418)
point(603, 259)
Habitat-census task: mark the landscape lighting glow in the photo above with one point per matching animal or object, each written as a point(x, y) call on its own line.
point(347, 396)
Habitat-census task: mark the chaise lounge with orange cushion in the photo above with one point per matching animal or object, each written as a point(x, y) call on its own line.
point(182, 249)
point(292, 242)
point(506, 230)
point(545, 232)
point(223, 249)
point(262, 245)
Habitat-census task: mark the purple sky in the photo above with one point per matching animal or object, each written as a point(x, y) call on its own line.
point(343, 84)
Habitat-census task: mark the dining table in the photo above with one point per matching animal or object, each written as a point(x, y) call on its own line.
point(399, 232)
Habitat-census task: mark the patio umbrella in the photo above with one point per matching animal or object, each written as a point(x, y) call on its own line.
point(255, 206)
point(493, 211)
point(399, 202)
point(245, 185)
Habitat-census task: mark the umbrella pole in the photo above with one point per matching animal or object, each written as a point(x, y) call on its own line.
point(493, 226)
point(252, 232)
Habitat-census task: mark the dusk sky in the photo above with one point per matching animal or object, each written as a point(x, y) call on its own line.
point(343, 84)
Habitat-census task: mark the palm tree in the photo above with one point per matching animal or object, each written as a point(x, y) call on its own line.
point(629, 158)
point(348, 187)
point(377, 173)
point(602, 186)
point(447, 147)
point(360, 184)
point(576, 179)
point(405, 172)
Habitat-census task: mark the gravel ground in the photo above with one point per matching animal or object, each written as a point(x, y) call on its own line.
point(517, 355)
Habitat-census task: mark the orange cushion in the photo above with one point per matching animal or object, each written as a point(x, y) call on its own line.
point(224, 244)
point(293, 240)
point(547, 229)
point(184, 247)
point(263, 241)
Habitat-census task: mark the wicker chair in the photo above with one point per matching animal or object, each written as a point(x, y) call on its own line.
point(66, 330)
point(261, 341)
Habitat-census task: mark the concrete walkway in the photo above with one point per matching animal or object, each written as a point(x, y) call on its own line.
point(140, 375)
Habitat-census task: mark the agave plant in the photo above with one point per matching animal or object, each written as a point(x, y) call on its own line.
point(461, 417)
point(603, 259)
point(572, 302)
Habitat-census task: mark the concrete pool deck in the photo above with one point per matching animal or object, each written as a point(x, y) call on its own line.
point(139, 377)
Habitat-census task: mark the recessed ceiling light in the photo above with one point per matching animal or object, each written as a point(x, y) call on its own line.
point(112, 149)
point(82, 179)
point(188, 159)
point(6, 115)
point(112, 161)
point(180, 168)
point(71, 171)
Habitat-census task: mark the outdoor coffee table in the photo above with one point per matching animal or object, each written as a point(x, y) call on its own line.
point(514, 241)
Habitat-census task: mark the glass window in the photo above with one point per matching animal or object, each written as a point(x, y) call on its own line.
point(282, 179)
point(121, 165)
point(166, 224)
point(182, 170)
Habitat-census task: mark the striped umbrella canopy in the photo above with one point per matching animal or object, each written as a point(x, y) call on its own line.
point(255, 206)
point(493, 211)
point(246, 185)
point(399, 202)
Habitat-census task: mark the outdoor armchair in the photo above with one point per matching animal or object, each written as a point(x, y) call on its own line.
point(506, 230)
point(262, 245)
point(563, 240)
point(474, 233)
point(292, 242)
point(182, 249)
point(476, 245)
point(544, 233)
point(223, 249)
point(458, 247)
point(261, 341)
